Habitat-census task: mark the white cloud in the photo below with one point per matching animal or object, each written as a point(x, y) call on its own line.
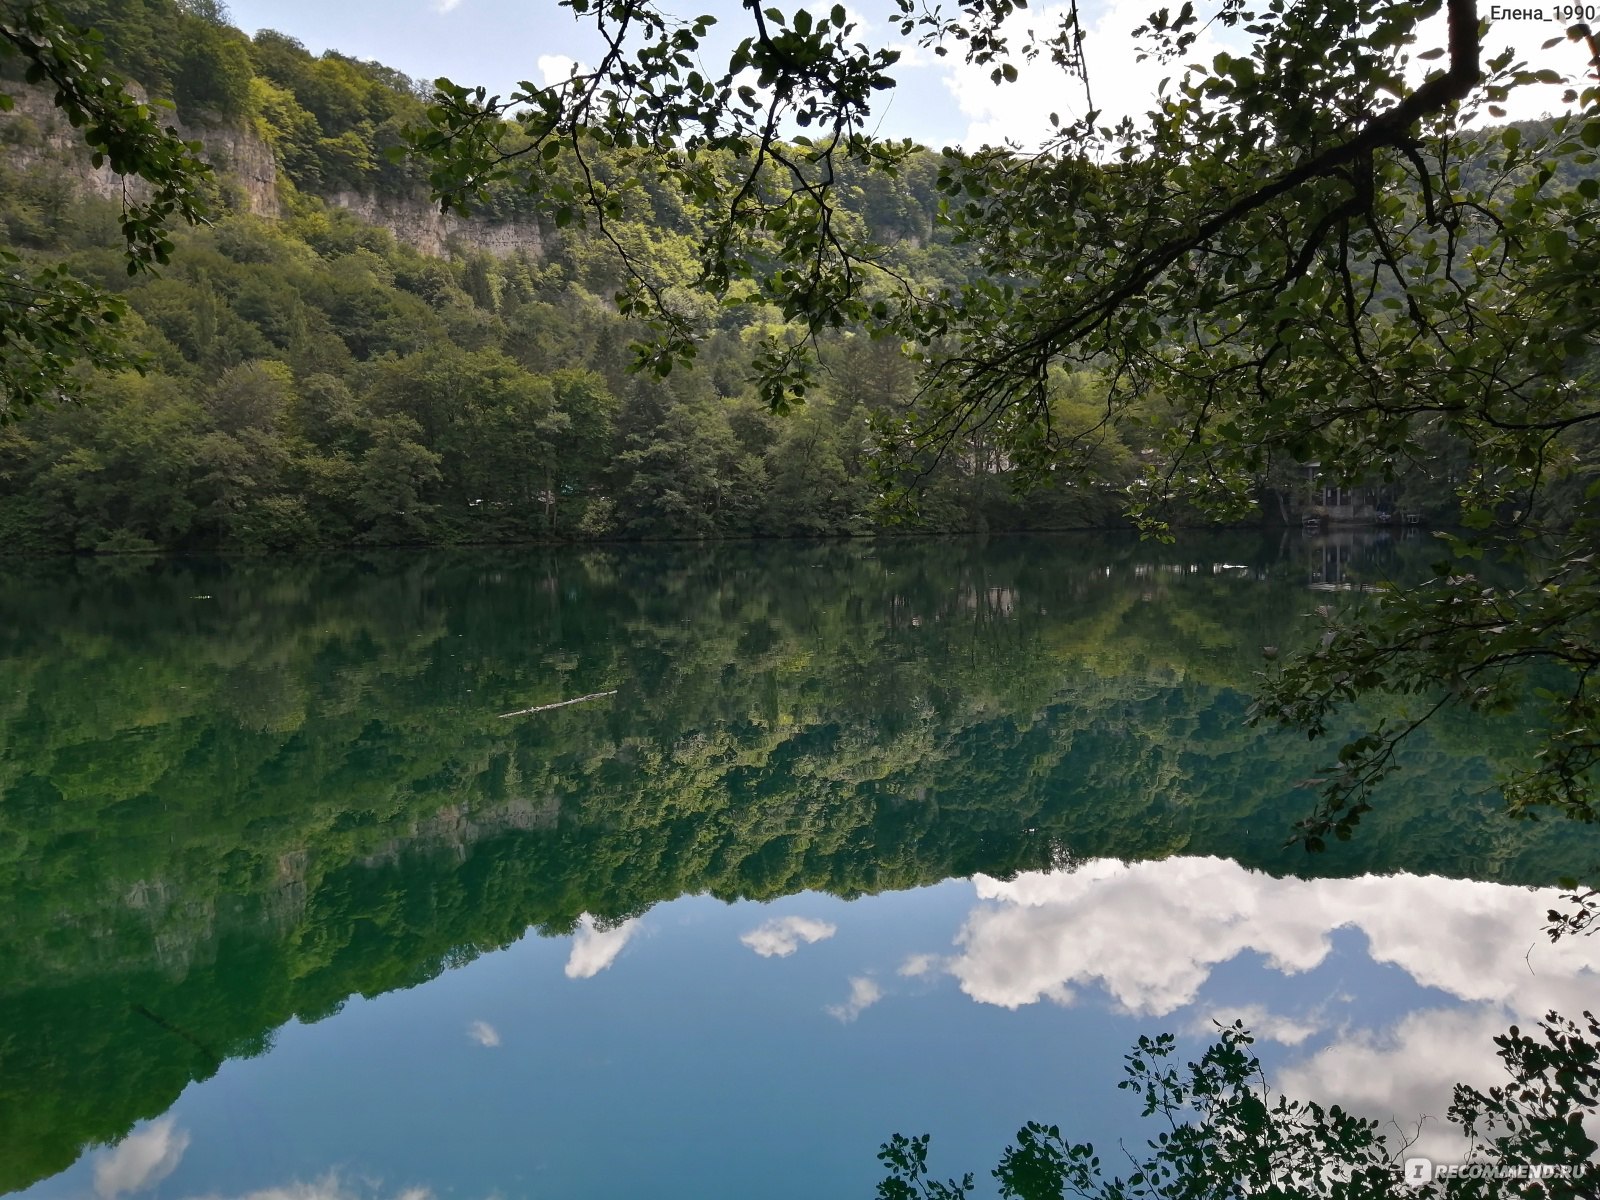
point(141, 1160)
point(853, 16)
point(556, 68)
point(864, 993)
point(1264, 1025)
point(446, 6)
point(782, 936)
point(917, 965)
point(913, 56)
point(595, 949)
point(1527, 39)
point(1120, 86)
point(484, 1033)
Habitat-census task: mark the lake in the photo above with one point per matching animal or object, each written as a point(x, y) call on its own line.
point(315, 886)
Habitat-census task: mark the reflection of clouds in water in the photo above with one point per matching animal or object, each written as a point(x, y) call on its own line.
point(1410, 1071)
point(782, 936)
point(864, 993)
point(1266, 1026)
point(484, 1034)
point(141, 1160)
point(330, 1187)
point(1151, 934)
point(595, 949)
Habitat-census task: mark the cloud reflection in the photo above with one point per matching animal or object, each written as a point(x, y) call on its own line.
point(1409, 1072)
point(594, 949)
point(782, 936)
point(141, 1160)
point(864, 993)
point(1151, 934)
point(1266, 1026)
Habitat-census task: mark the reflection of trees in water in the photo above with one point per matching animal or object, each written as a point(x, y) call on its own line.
point(239, 793)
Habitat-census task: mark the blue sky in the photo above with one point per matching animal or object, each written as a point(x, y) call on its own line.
point(498, 42)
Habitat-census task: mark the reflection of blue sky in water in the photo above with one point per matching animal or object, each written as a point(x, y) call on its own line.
point(687, 1051)
point(1153, 937)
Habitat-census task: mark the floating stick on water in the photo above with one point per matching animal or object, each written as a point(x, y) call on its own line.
point(522, 712)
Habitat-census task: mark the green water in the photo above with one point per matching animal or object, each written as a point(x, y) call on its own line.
point(235, 794)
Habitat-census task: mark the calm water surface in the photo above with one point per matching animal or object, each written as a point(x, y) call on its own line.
point(845, 840)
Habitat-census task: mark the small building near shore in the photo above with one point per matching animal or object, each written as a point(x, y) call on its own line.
point(1330, 502)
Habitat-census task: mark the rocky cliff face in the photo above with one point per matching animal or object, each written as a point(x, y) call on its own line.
point(246, 161)
point(240, 157)
point(416, 222)
point(36, 132)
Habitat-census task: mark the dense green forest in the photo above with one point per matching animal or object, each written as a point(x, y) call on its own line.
point(236, 794)
point(311, 380)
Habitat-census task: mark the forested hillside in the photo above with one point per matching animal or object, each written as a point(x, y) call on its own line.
point(311, 380)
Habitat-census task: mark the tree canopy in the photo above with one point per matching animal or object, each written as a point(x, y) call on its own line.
point(1304, 249)
point(49, 319)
